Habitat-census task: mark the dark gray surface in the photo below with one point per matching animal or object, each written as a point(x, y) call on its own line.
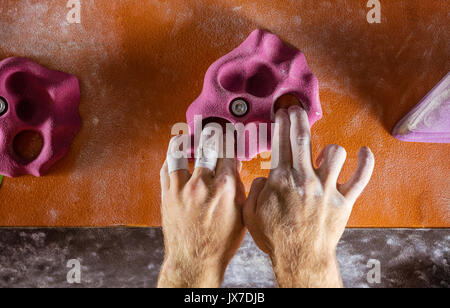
point(127, 257)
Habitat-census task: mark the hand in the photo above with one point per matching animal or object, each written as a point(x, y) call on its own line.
point(202, 223)
point(299, 213)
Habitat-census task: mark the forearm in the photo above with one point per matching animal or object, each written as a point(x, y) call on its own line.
point(307, 271)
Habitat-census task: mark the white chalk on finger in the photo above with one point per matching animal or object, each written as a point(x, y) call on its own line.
point(177, 155)
point(208, 151)
point(208, 163)
point(207, 157)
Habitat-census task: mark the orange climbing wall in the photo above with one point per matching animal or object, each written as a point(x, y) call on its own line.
point(141, 63)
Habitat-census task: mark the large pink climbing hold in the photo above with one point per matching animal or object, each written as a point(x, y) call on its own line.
point(243, 86)
point(34, 98)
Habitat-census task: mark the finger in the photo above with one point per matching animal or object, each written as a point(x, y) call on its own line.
point(249, 213)
point(319, 160)
point(252, 199)
point(177, 161)
point(164, 176)
point(281, 144)
point(355, 186)
point(300, 140)
point(208, 151)
point(225, 164)
point(333, 160)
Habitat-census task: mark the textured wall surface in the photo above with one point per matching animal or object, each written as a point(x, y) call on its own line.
point(142, 63)
point(127, 257)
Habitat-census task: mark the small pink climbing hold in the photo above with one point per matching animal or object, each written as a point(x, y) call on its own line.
point(34, 98)
point(243, 86)
point(429, 121)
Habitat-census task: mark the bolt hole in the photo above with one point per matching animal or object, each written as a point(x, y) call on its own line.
point(3, 106)
point(28, 145)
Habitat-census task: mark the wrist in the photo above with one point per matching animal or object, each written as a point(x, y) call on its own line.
point(307, 270)
point(186, 273)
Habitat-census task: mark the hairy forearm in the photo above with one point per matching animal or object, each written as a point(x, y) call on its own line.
point(307, 271)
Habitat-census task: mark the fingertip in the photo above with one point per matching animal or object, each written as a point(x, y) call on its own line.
point(366, 163)
point(176, 158)
point(339, 152)
point(366, 156)
point(298, 115)
point(176, 146)
point(296, 110)
point(282, 115)
point(365, 150)
point(355, 186)
point(210, 151)
point(175, 141)
point(174, 138)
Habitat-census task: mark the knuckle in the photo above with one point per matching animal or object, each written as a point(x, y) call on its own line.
point(303, 138)
point(313, 186)
point(226, 180)
point(280, 175)
point(195, 185)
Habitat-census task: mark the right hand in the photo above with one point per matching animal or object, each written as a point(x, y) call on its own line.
point(298, 214)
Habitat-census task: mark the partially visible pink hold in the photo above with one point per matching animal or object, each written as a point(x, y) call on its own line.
point(41, 101)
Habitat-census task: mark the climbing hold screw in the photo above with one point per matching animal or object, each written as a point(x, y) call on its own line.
point(239, 107)
point(3, 106)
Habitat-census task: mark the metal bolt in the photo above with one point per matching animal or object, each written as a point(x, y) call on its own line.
point(3, 106)
point(239, 107)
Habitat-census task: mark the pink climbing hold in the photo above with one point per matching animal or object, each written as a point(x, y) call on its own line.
point(429, 121)
point(34, 98)
point(243, 86)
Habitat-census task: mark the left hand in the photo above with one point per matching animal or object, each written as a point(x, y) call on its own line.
point(202, 223)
